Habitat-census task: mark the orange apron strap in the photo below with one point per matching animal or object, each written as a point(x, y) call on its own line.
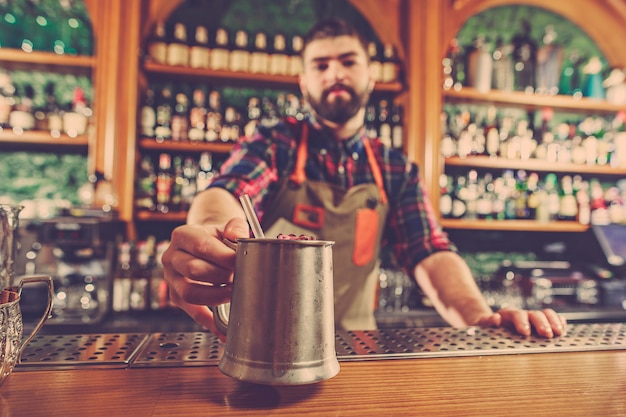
point(378, 177)
point(298, 175)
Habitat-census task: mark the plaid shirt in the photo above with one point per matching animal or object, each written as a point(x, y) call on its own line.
point(256, 163)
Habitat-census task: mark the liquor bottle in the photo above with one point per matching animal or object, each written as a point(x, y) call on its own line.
point(446, 187)
point(568, 206)
point(197, 115)
point(178, 47)
point(230, 128)
point(157, 44)
point(139, 298)
point(459, 205)
point(295, 58)
point(480, 65)
point(54, 120)
point(163, 127)
point(22, 117)
point(176, 199)
point(11, 26)
point(77, 36)
point(549, 60)
point(189, 187)
point(376, 64)
point(158, 285)
point(7, 98)
point(269, 113)
point(384, 122)
point(371, 121)
point(397, 127)
point(199, 51)
point(454, 66)
point(147, 120)
point(570, 82)
point(583, 199)
point(37, 28)
point(486, 197)
point(524, 59)
point(145, 188)
point(503, 72)
point(220, 52)
point(240, 55)
point(205, 171)
point(253, 116)
point(122, 278)
point(391, 64)
point(75, 120)
point(164, 181)
point(553, 199)
point(180, 116)
point(214, 117)
point(259, 57)
point(278, 59)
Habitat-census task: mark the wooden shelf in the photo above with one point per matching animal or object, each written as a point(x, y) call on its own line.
point(41, 140)
point(246, 78)
point(532, 165)
point(521, 99)
point(173, 217)
point(46, 61)
point(514, 225)
point(215, 147)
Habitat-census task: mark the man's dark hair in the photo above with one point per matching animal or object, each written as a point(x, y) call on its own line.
point(333, 28)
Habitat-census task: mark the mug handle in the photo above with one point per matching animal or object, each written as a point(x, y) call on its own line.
point(47, 312)
point(221, 312)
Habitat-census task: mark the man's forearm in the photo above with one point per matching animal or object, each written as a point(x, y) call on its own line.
point(214, 206)
point(447, 281)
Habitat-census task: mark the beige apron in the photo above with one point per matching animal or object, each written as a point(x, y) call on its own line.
point(353, 218)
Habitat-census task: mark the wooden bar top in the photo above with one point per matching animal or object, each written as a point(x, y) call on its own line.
point(569, 384)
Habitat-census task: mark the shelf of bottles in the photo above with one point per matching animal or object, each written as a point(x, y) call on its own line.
point(533, 138)
point(39, 42)
point(185, 128)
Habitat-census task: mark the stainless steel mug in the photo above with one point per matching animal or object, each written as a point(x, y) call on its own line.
point(8, 228)
point(280, 324)
point(11, 325)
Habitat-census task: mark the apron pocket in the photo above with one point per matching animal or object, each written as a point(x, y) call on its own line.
point(365, 232)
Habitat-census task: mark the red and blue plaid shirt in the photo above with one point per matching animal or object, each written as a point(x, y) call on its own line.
point(256, 163)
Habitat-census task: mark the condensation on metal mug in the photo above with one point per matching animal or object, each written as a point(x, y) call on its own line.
point(9, 220)
point(280, 326)
point(11, 325)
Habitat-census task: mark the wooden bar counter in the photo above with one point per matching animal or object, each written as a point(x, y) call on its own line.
point(569, 383)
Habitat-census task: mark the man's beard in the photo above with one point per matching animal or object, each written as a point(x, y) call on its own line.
point(341, 110)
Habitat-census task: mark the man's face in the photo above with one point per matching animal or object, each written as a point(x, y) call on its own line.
point(336, 79)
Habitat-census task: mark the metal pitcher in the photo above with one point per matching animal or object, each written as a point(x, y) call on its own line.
point(9, 219)
point(280, 325)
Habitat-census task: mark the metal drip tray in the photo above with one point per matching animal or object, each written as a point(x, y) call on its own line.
point(78, 351)
point(447, 341)
point(205, 349)
point(180, 349)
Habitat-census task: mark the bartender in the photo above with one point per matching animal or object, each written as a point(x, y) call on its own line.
point(324, 177)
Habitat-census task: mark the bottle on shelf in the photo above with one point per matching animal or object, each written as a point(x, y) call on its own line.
point(295, 58)
point(197, 115)
point(180, 116)
point(240, 54)
point(122, 278)
point(75, 120)
point(391, 64)
point(503, 72)
point(76, 36)
point(7, 98)
point(199, 51)
point(371, 121)
point(159, 298)
point(176, 199)
point(205, 171)
point(259, 57)
point(568, 206)
point(163, 127)
point(145, 185)
point(230, 128)
point(549, 60)
point(37, 28)
point(570, 80)
point(52, 109)
point(375, 61)
point(278, 59)
point(164, 181)
point(189, 186)
point(214, 116)
point(524, 59)
point(147, 115)
point(480, 65)
point(139, 297)
point(178, 47)
point(157, 44)
point(384, 122)
point(397, 127)
point(220, 52)
point(22, 116)
point(12, 26)
point(453, 66)
point(253, 115)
